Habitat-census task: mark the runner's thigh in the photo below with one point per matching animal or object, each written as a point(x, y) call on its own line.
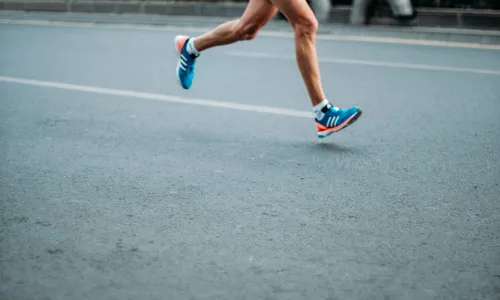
point(296, 11)
point(258, 13)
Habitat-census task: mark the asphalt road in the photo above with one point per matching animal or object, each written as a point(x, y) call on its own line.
point(108, 196)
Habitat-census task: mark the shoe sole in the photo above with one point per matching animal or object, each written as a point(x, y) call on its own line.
point(353, 119)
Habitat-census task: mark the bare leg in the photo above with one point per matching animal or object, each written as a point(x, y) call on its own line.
point(305, 26)
point(256, 15)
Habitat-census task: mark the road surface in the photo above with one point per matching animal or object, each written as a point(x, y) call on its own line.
point(118, 184)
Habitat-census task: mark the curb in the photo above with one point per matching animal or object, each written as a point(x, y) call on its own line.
point(462, 37)
point(447, 18)
point(219, 9)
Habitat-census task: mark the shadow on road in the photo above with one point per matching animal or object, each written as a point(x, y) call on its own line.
point(331, 147)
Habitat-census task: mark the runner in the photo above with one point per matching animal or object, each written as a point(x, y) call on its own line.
point(329, 118)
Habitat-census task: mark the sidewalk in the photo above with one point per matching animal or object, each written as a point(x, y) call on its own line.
point(485, 37)
point(427, 17)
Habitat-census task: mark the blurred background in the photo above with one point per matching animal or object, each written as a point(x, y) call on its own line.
point(466, 14)
point(479, 14)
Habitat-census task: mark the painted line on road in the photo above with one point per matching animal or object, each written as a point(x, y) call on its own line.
point(368, 63)
point(159, 97)
point(264, 33)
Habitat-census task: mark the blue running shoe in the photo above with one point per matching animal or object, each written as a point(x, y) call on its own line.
point(335, 119)
point(185, 66)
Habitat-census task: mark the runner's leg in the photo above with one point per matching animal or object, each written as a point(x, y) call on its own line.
point(329, 118)
point(305, 25)
point(256, 15)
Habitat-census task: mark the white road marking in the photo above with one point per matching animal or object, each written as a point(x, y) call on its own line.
point(263, 33)
point(159, 97)
point(369, 63)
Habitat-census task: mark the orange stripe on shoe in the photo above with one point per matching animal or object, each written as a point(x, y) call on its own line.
point(180, 42)
point(322, 128)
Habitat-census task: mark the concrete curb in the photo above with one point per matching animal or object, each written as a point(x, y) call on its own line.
point(222, 9)
point(450, 18)
point(446, 35)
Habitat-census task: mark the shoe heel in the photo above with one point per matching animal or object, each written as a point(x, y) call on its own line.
point(176, 48)
point(177, 38)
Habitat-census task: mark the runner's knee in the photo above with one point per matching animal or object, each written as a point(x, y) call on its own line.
point(246, 31)
point(306, 26)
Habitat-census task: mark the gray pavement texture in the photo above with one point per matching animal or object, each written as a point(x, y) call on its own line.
point(110, 197)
